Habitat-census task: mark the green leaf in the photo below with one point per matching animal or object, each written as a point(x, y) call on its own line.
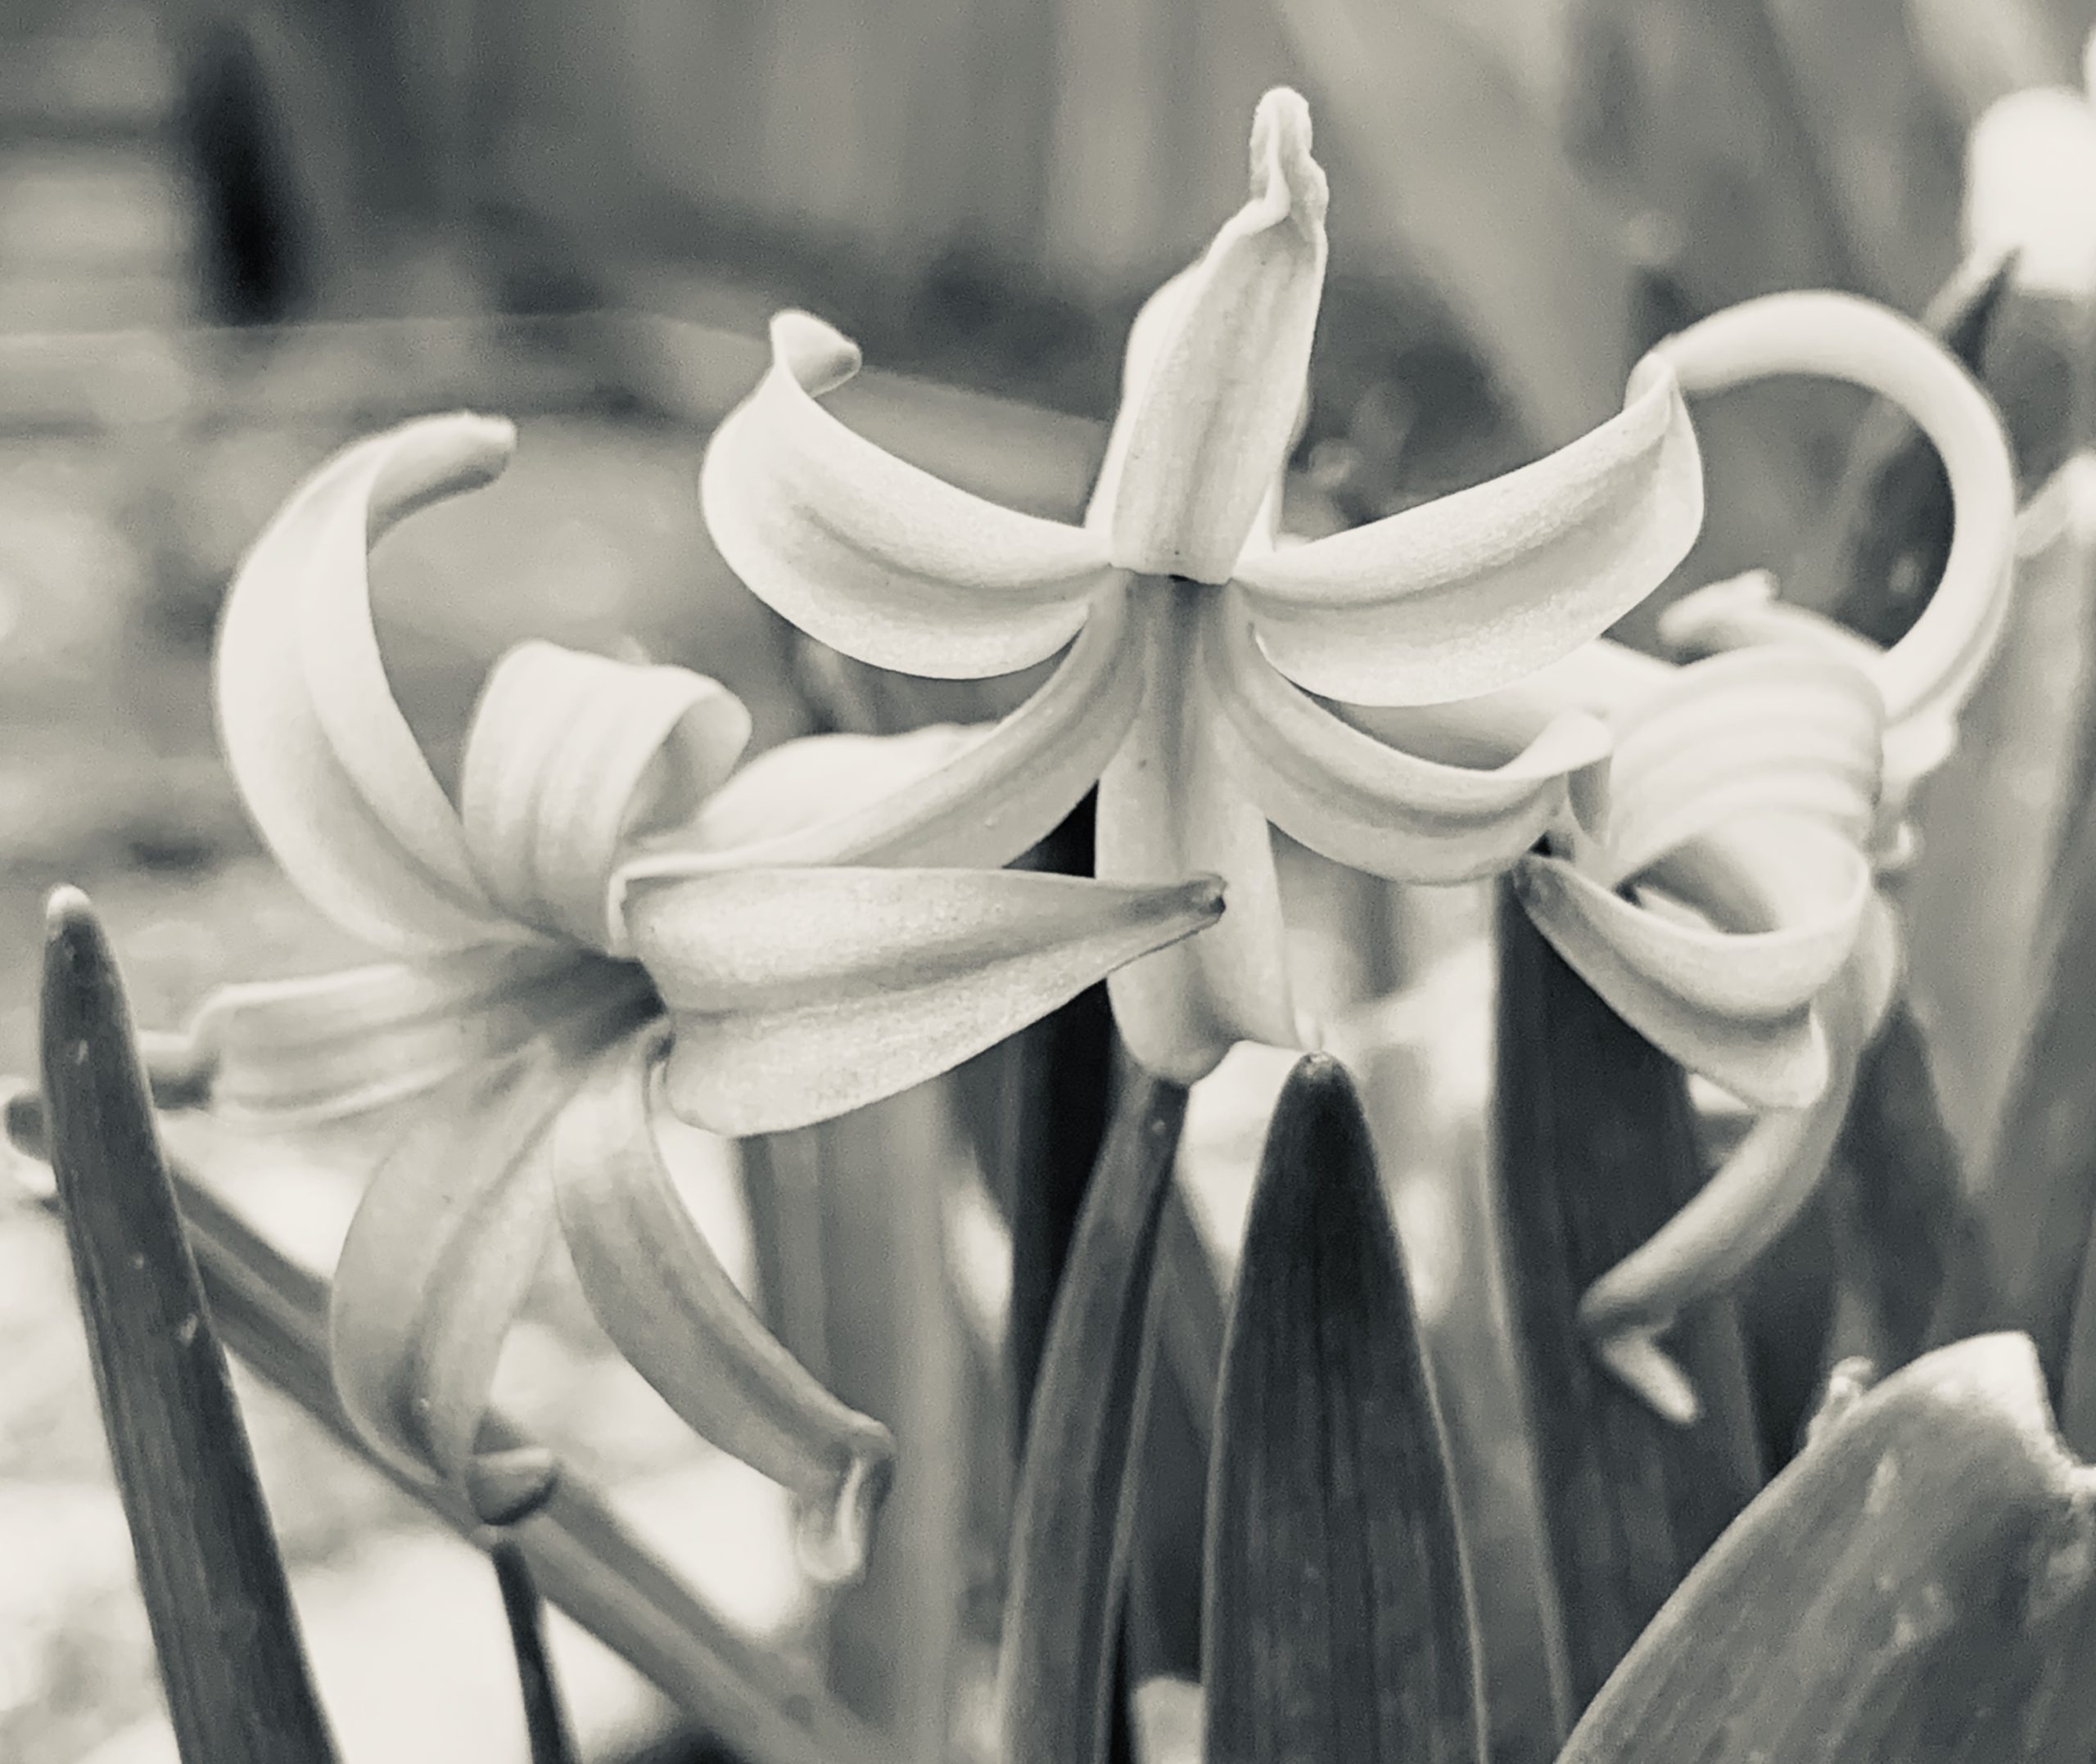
point(231, 1659)
point(1338, 1623)
point(1595, 1150)
point(546, 1722)
point(1073, 1523)
point(1916, 1587)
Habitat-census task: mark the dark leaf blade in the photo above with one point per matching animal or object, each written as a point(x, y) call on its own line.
point(545, 1722)
point(239, 1687)
point(1916, 1585)
point(1074, 1514)
point(1338, 1627)
point(1595, 1150)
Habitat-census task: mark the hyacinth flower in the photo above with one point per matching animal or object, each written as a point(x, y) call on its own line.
point(607, 912)
point(1765, 788)
point(1204, 646)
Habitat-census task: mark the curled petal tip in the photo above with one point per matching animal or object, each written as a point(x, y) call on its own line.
point(819, 355)
point(833, 1541)
point(1686, 627)
point(1282, 169)
point(1652, 1375)
point(507, 1486)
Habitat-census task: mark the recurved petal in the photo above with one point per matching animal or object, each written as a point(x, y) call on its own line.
point(1756, 1195)
point(1215, 386)
point(1362, 802)
point(292, 1053)
point(800, 993)
point(1841, 337)
point(568, 754)
point(870, 554)
point(1759, 730)
point(323, 757)
point(933, 798)
point(1730, 998)
point(669, 1306)
point(1469, 592)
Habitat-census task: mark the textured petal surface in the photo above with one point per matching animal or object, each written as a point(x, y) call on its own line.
point(567, 753)
point(293, 1053)
point(1785, 729)
point(324, 758)
point(1214, 406)
point(1730, 999)
point(1362, 802)
point(799, 993)
point(1838, 337)
point(669, 1306)
point(1469, 592)
point(1169, 807)
point(871, 555)
point(936, 797)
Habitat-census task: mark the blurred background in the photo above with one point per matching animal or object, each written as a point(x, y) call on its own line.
point(235, 233)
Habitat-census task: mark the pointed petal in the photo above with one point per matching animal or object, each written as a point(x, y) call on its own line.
point(665, 1302)
point(800, 993)
point(1170, 808)
point(1217, 404)
point(1469, 592)
point(569, 753)
point(1730, 1000)
point(1362, 802)
point(324, 758)
point(443, 1247)
point(1838, 336)
point(939, 797)
point(872, 556)
point(293, 1053)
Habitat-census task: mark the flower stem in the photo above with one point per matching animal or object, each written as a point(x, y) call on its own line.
point(546, 1722)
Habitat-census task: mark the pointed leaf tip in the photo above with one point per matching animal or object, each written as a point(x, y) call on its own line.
point(1338, 1617)
point(238, 1689)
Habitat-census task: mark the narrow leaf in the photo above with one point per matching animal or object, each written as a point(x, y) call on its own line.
point(1073, 1520)
point(231, 1659)
point(1597, 1149)
point(1338, 1621)
point(1917, 1587)
point(546, 1722)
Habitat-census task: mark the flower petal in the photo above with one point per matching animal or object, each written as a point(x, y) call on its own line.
point(1364, 803)
point(800, 993)
point(567, 754)
point(295, 1053)
point(1784, 729)
point(1469, 592)
point(1169, 808)
point(1216, 406)
point(1841, 337)
point(933, 798)
point(1731, 1000)
point(669, 1306)
point(323, 757)
point(1755, 1196)
point(870, 554)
